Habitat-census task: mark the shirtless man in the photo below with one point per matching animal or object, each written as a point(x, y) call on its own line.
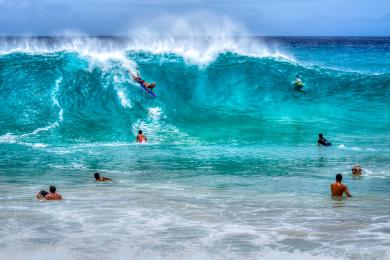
point(98, 178)
point(338, 188)
point(356, 170)
point(52, 195)
point(147, 85)
point(141, 137)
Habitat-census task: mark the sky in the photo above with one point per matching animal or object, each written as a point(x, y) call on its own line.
point(258, 17)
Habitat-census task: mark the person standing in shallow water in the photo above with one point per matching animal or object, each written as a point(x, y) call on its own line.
point(51, 195)
point(338, 189)
point(141, 137)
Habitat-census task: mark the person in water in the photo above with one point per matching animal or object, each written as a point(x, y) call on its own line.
point(298, 83)
point(147, 85)
point(323, 141)
point(98, 178)
point(141, 137)
point(356, 170)
point(338, 189)
point(51, 195)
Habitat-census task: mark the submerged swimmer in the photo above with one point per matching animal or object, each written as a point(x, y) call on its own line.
point(338, 189)
point(141, 137)
point(98, 178)
point(323, 141)
point(356, 170)
point(51, 195)
point(147, 85)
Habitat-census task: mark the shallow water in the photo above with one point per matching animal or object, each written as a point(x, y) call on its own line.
point(232, 169)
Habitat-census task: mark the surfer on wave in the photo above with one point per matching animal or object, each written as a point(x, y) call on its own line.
point(144, 83)
point(298, 84)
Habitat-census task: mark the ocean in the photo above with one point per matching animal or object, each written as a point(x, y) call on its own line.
point(232, 169)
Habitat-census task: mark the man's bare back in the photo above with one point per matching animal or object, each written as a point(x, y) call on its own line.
point(53, 196)
point(337, 188)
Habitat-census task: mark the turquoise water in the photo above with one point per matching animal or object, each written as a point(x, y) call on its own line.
point(232, 169)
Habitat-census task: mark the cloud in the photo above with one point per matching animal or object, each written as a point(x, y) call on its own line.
point(271, 17)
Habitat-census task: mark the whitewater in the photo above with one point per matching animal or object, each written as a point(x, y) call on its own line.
point(232, 169)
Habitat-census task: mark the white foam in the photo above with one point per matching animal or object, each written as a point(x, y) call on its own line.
point(199, 38)
point(157, 130)
point(40, 145)
point(154, 113)
point(40, 129)
point(8, 138)
point(51, 252)
point(60, 113)
point(370, 173)
point(356, 148)
point(126, 103)
point(54, 97)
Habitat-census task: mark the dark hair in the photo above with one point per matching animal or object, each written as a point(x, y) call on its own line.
point(52, 189)
point(320, 135)
point(339, 177)
point(43, 193)
point(97, 175)
point(140, 132)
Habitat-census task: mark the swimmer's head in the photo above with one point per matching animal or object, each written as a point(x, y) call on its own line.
point(153, 84)
point(97, 175)
point(297, 76)
point(356, 170)
point(140, 132)
point(339, 177)
point(320, 136)
point(52, 189)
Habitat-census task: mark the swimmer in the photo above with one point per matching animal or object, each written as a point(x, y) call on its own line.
point(338, 188)
point(147, 85)
point(51, 195)
point(323, 141)
point(141, 137)
point(356, 170)
point(98, 178)
point(298, 83)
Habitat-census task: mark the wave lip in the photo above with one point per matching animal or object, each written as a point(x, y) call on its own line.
point(196, 50)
